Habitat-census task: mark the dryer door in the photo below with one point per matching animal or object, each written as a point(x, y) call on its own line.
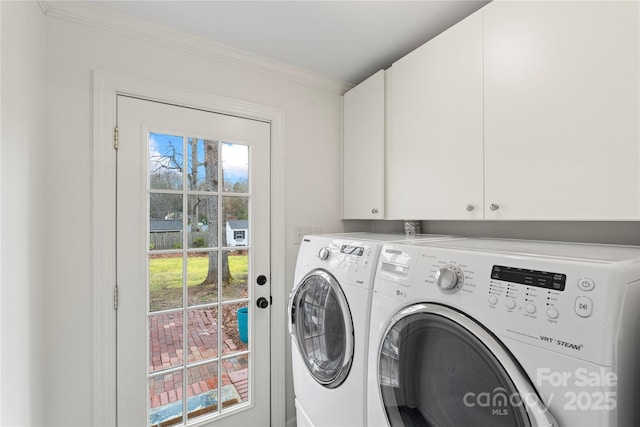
point(322, 328)
point(437, 367)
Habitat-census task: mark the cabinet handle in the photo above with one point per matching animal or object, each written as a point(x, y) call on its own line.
point(374, 211)
point(469, 208)
point(494, 207)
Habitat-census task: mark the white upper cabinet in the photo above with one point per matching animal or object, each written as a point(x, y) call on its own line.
point(525, 110)
point(561, 110)
point(363, 149)
point(434, 163)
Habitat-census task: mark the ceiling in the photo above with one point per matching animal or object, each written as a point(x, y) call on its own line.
point(344, 40)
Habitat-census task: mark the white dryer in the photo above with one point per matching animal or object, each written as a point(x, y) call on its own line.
point(489, 332)
point(329, 310)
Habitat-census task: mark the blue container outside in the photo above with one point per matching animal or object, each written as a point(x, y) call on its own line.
point(243, 316)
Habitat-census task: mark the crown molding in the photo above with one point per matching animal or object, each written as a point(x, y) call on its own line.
point(84, 13)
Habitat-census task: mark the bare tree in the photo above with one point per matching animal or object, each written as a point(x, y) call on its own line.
point(170, 166)
point(211, 182)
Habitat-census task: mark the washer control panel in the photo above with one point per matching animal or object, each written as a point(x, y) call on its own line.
point(538, 292)
point(560, 302)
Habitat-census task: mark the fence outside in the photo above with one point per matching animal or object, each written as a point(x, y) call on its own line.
point(172, 239)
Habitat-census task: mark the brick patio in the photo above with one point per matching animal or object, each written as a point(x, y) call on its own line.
point(166, 332)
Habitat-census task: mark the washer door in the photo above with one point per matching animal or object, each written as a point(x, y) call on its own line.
point(322, 328)
point(437, 367)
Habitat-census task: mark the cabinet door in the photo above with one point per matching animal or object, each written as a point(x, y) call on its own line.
point(363, 149)
point(562, 110)
point(434, 165)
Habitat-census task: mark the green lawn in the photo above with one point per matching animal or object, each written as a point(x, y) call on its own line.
point(165, 280)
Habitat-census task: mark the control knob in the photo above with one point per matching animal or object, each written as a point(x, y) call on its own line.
point(324, 253)
point(448, 277)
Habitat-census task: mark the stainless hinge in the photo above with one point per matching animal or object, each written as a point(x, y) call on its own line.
point(115, 297)
point(115, 137)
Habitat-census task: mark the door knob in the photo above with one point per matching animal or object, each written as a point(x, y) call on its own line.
point(262, 302)
point(494, 207)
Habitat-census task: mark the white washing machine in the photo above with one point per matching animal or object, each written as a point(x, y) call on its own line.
point(329, 310)
point(489, 332)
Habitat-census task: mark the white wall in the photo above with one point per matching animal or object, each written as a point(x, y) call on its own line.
point(312, 149)
point(22, 275)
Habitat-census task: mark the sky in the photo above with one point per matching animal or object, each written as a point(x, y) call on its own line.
point(162, 147)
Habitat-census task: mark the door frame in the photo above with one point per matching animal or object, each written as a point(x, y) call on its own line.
point(106, 86)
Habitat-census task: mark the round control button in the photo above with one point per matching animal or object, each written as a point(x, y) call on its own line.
point(583, 306)
point(553, 313)
point(530, 308)
point(511, 304)
point(586, 284)
point(493, 300)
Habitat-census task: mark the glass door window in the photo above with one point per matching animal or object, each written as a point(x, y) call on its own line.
point(198, 289)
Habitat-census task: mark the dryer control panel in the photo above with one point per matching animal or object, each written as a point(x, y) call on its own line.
point(352, 262)
point(346, 256)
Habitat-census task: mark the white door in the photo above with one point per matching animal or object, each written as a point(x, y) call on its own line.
point(192, 261)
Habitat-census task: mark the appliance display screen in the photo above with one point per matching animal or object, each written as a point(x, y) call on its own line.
point(352, 250)
point(523, 276)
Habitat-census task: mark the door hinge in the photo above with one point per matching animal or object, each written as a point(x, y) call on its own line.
point(115, 137)
point(115, 297)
